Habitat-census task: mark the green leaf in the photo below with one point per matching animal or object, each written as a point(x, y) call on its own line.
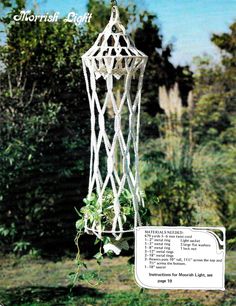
point(99, 257)
point(80, 225)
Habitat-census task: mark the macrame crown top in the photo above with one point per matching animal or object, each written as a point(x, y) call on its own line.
point(114, 52)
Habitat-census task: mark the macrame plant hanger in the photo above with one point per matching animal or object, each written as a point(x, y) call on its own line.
point(114, 57)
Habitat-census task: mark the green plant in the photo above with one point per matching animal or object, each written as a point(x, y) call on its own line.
point(21, 247)
point(7, 231)
point(102, 214)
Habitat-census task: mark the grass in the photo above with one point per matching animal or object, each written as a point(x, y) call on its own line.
point(36, 282)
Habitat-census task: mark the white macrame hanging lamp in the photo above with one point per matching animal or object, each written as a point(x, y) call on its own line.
point(114, 58)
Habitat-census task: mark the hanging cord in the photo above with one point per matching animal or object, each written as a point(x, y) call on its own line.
point(113, 3)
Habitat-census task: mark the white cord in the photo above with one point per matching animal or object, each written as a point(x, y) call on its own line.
point(112, 57)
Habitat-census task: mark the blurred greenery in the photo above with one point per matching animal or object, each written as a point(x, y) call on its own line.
point(188, 171)
point(44, 128)
point(187, 150)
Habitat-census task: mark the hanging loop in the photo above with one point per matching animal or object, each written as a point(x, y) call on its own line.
point(115, 15)
point(113, 3)
point(114, 24)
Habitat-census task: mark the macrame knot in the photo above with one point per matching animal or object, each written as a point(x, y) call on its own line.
point(114, 60)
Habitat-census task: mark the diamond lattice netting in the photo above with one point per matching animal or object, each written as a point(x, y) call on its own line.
point(115, 60)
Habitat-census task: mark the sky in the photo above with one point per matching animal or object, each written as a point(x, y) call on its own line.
point(189, 24)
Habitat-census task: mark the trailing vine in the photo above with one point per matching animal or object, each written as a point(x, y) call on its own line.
point(103, 216)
